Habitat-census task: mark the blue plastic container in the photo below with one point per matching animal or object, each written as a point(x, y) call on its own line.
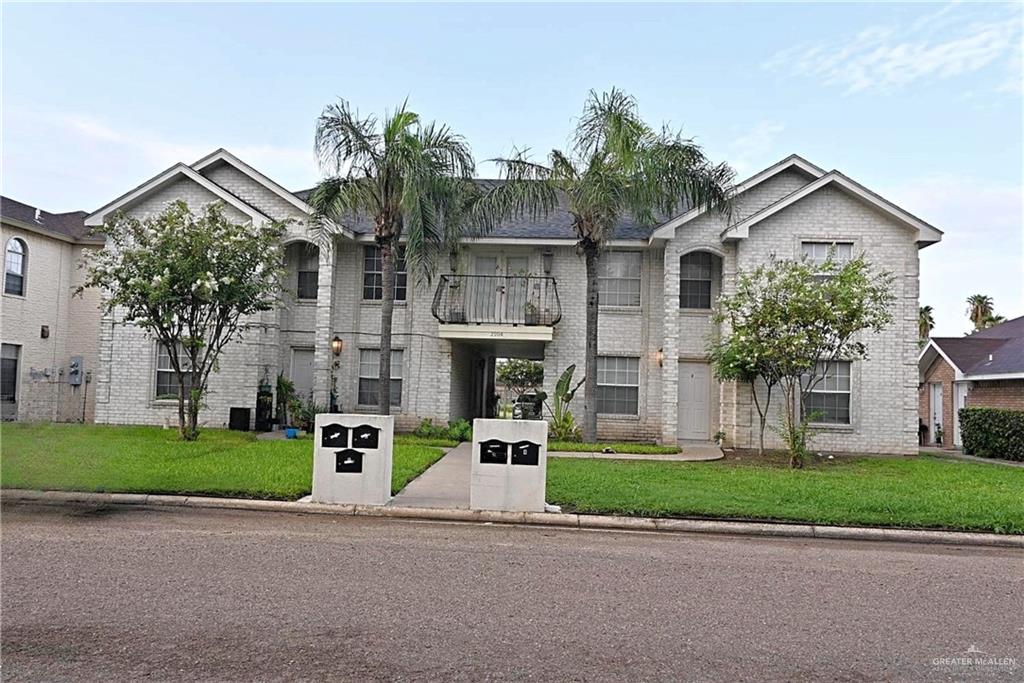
point(291, 433)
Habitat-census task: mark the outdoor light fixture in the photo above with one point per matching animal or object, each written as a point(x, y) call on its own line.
point(337, 345)
point(548, 260)
point(660, 355)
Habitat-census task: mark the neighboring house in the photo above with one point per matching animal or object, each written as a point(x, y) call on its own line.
point(981, 370)
point(50, 336)
point(519, 292)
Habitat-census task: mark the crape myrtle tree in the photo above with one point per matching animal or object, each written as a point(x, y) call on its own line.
point(189, 279)
point(410, 179)
point(521, 375)
point(789, 322)
point(616, 165)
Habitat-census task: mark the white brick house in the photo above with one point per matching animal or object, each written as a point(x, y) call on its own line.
point(519, 293)
point(50, 335)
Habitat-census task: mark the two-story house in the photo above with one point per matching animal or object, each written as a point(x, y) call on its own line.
point(50, 334)
point(519, 292)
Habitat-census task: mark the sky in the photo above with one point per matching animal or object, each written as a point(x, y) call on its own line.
point(920, 102)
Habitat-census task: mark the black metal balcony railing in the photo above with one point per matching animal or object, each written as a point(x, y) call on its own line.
point(497, 300)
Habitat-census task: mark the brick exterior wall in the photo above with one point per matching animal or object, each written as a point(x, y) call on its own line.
point(1007, 394)
point(943, 373)
point(438, 374)
point(43, 391)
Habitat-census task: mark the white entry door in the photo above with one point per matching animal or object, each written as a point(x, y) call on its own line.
point(302, 372)
point(936, 406)
point(959, 401)
point(694, 397)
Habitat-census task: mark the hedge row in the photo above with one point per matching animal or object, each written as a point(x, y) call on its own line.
point(993, 433)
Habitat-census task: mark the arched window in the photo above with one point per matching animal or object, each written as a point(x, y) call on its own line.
point(699, 273)
point(14, 267)
point(304, 266)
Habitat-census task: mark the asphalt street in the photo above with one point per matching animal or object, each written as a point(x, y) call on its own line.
point(125, 593)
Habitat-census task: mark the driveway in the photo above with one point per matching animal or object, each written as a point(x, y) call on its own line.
point(131, 593)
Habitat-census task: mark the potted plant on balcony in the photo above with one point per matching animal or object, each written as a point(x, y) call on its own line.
point(456, 310)
point(531, 314)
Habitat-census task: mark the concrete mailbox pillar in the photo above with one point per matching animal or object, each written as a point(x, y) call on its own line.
point(510, 463)
point(352, 458)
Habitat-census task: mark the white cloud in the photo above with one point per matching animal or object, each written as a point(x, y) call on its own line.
point(749, 151)
point(982, 251)
point(946, 43)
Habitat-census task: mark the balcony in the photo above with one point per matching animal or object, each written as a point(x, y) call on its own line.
point(523, 307)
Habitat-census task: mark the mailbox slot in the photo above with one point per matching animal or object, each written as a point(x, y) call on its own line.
point(493, 452)
point(348, 461)
point(334, 436)
point(365, 436)
point(525, 453)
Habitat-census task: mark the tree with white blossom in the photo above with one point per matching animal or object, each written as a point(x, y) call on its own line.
point(788, 323)
point(190, 279)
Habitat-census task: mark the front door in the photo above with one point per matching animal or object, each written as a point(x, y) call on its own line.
point(936, 406)
point(959, 401)
point(302, 372)
point(694, 396)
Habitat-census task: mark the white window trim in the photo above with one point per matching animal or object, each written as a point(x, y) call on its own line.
point(363, 272)
point(624, 416)
point(360, 376)
point(24, 267)
point(716, 287)
point(154, 399)
point(838, 426)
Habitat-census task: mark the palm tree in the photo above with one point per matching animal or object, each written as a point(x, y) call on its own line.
point(992, 321)
point(403, 175)
point(979, 308)
point(925, 323)
point(616, 165)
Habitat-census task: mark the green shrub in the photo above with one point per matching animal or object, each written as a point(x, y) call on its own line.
point(993, 433)
point(460, 430)
point(428, 430)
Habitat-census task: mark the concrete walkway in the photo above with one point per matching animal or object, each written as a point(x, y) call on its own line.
point(444, 485)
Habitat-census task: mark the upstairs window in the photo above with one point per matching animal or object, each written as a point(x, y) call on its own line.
point(373, 275)
point(618, 279)
point(831, 397)
point(698, 273)
point(308, 273)
point(818, 252)
point(15, 261)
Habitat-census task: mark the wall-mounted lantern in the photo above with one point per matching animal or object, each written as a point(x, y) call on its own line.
point(337, 345)
point(548, 260)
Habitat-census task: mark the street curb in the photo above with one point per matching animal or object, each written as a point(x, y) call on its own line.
point(563, 520)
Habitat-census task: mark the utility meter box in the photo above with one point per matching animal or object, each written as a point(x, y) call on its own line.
point(510, 464)
point(352, 458)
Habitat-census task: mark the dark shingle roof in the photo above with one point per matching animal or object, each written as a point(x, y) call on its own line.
point(1003, 343)
point(71, 224)
point(555, 225)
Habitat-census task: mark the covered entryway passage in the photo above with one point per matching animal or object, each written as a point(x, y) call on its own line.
point(694, 401)
point(473, 373)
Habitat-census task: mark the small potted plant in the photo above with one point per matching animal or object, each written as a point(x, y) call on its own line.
point(938, 434)
point(531, 313)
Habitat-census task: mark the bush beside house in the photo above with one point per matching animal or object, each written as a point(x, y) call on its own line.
point(993, 433)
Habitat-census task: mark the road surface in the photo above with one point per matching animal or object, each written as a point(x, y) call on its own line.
point(129, 593)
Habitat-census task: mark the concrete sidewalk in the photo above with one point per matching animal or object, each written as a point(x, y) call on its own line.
point(444, 485)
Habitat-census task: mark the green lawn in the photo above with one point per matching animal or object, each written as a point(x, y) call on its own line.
point(638, 448)
point(154, 460)
point(923, 492)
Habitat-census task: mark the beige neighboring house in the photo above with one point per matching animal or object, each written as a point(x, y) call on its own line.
point(50, 337)
point(519, 293)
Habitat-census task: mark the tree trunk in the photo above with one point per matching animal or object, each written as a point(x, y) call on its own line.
point(182, 431)
point(591, 255)
point(387, 310)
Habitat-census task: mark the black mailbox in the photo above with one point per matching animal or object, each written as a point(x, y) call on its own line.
point(348, 461)
point(334, 436)
point(493, 452)
point(365, 436)
point(525, 453)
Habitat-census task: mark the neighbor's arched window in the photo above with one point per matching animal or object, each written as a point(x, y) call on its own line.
point(15, 262)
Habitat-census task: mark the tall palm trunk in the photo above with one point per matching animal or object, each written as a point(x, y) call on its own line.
point(387, 310)
point(591, 254)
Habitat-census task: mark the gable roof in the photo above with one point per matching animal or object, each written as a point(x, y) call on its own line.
point(163, 179)
point(995, 353)
point(68, 226)
point(792, 162)
point(223, 155)
point(926, 233)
